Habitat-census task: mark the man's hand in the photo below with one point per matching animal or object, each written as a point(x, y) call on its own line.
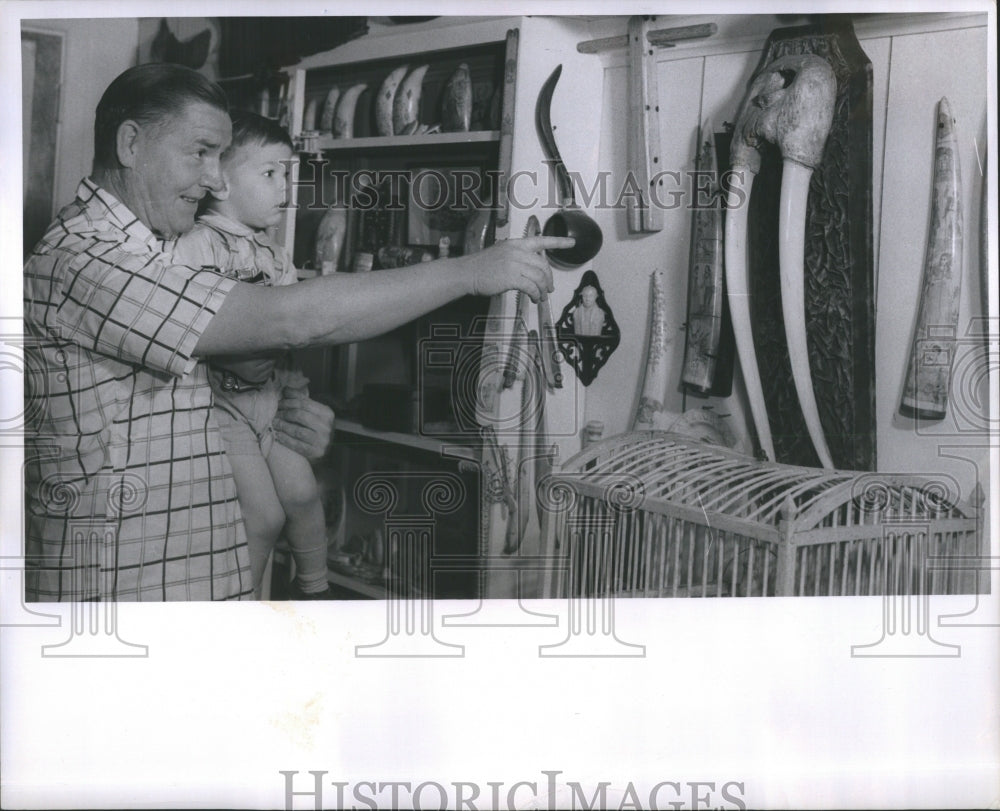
point(301, 424)
point(515, 264)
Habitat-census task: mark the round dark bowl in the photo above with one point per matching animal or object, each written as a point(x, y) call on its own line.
point(577, 224)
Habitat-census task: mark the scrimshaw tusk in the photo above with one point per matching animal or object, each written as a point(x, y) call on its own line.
point(789, 104)
point(791, 258)
point(651, 413)
point(406, 102)
point(932, 355)
point(738, 293)
point(385, 99)
point(329, 111)
point(343, 119)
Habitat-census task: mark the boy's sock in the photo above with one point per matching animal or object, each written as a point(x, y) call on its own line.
point(311, 583)
point(297, 593)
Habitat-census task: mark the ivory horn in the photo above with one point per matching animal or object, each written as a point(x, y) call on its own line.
point(738, 294)
point(791, 260)
point(329, 110)
point(790, 104)
point(385, 99)
point(651, 414)
point(928, 373)
point(406, 103)
point(704, 304)
point(343, 119)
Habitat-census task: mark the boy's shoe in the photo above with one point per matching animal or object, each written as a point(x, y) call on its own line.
point(296, 593)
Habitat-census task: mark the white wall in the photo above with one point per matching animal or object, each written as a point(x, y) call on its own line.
point(95, 51)
point(916, 59)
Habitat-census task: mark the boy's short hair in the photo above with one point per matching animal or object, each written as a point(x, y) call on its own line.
point(250, 129)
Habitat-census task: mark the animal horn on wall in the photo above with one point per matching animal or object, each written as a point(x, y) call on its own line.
point(704, 310)
point(650, 413)
point(928, 378)
point(789, 104)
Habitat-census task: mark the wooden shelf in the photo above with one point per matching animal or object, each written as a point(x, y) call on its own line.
point(327, 143)
point(461, 448)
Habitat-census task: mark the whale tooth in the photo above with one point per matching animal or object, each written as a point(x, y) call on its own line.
point(343, 120)
point(329, 108)
point(385, 98)
point(456, 106)
point(406, 103)
point(309, 116)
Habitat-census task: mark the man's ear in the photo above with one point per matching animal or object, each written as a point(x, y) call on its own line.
point(126, 143)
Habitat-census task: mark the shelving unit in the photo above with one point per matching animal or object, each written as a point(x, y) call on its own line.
point(441, 447)
point(328, 144)
point(340, 374)
point(507, 59)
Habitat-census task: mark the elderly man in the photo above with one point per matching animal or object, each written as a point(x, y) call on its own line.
point(129, 494)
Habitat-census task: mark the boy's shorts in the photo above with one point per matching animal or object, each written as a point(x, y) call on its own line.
point(245, 417)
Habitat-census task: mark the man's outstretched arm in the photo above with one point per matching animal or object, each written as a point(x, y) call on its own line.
point(347, 307)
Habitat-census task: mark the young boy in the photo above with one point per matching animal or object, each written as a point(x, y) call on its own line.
point(273, 483)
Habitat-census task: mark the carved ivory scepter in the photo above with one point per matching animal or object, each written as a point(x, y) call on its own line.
point(928, 374)
point(651, 414)
point(789, 104)
point(704, 309)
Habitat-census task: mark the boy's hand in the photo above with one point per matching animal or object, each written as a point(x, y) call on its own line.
point(303, 425)
point(515, 264)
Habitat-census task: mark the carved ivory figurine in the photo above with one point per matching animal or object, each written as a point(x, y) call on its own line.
point(588, 318)
point(789, 104)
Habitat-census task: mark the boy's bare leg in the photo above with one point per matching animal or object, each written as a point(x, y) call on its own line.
point(262, 512)
point(305, 529)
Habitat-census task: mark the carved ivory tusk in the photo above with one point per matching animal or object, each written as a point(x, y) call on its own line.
point(406, 103)
point(329, 109)
point(738, 293)
point(651, 413)
point(705, 285)
point(791, 258)
point(385, 99)
point(343, 120)
point(928, 377)
point(309, 116)
point(790, 104)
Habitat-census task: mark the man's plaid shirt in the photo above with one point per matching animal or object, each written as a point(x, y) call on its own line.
point(129, 495)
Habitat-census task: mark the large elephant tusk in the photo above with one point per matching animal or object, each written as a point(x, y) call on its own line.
point(791, 258)
point(738, 293)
